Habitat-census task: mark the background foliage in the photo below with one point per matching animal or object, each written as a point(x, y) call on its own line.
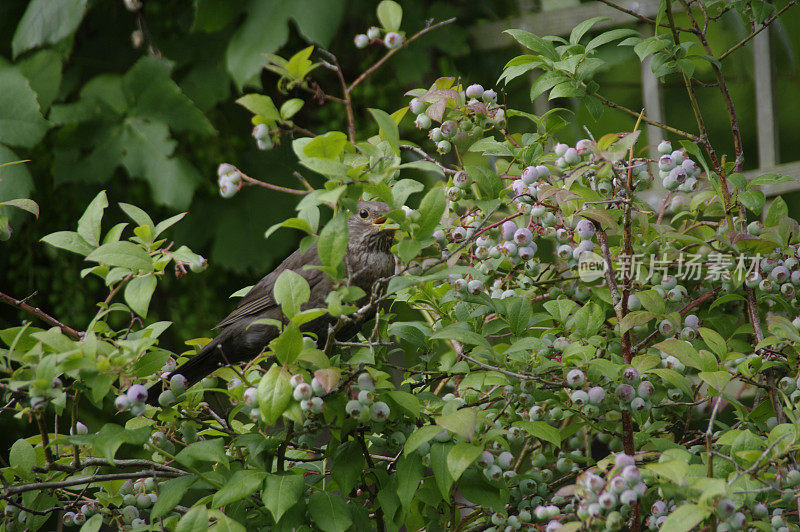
point(150, 124)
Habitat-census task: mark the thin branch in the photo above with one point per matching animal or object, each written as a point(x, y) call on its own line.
point(38, 486)
point(675, 131)
point(752, 34)
point(278, 188)
point(428, 158)
point(393, 51)
point(346, 99)
point(643, 18)
point(39, 313)
point(103, 462)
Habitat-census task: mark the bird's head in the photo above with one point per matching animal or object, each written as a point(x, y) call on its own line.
point(369, 227)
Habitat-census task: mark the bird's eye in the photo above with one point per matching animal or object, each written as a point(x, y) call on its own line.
point(363, 213)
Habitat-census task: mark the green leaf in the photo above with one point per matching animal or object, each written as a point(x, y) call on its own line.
point(202, 451)
point(274, 394)
point(89, 223)
point(348, 465)
point(685, 518)
point(332, 243)
point(112, 436)
point(240, 485)
point(291, 107)
point(716, 379)
point(518, 314)
point(727, 298)
point(753, 199)
point(610, 36)
point(652, 301)
point(290, 292)
point(170, 494)
point(70, 241)
point(390, 15)
point(579, 30)
point(47, 22)
point(123, 254)
point(541, 430)
point(650, 46)
point(770, 179)
point(715, 341)
point(163, 225)
point(409, 473)
point(534, 43)
point(441, 473)
point(545, 82)
point(461, 422)
point(281, 492)
point(682, 351)
point(21, 122)
point(260, 105)
point(156, 97)
point(458, 333)
point(775, 212)
point(329, 512)
point(24, 204)
point(195, 519)
point(475, 488)
point(431, 209)
point(388, 128)
point(420, 436)
point(138, 292)
point(460, 457)
point(408, 402)
point(288, 345)
point(635, 319)
point(22, 456)
point(93, 524)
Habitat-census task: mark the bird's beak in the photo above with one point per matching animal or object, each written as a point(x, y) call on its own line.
point(381, 221)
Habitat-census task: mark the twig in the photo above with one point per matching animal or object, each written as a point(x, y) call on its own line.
point(752, 34)
point(428, 158)
point(38, 486)
point(393, 51)
point(278, 188)
point(643, 18)
point(103, 462)
point(346, 100)
point(39, 313)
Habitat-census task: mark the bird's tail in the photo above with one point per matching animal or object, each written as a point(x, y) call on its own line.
point(195, 369)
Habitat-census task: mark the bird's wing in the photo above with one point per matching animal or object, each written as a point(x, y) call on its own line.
point(260, 297)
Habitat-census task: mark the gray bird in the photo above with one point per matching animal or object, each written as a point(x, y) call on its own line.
point(367, 259)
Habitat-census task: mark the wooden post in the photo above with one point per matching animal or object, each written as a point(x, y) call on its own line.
point(764, 74)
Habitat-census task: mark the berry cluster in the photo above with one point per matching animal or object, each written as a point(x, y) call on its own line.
point(364, 408)
point(464, 123)
point(229, 179)
point(610, 498)
point(263, 138)
point(389, 39)
point(308, 395)
point(676, 169)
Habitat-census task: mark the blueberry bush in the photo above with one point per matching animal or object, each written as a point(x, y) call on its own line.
point(576, 337)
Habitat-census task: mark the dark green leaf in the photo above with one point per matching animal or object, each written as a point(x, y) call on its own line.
point(332, 243)
point(290, 292)
point(390, 15)
point(240, 485)
point(170, 494)
point(388, 128)
point(281, 492)
point(274, 394)
point(138, 292)
point(123, 254)
point(329, 512)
